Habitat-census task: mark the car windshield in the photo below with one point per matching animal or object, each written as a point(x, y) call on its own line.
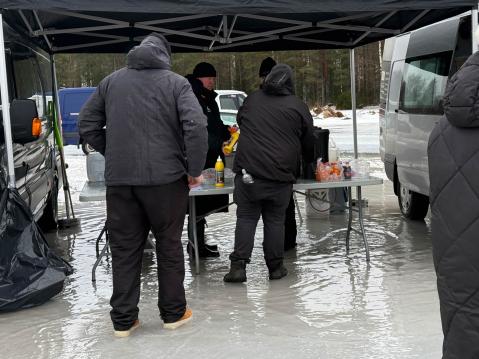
point(228, 119)
point(231, 101)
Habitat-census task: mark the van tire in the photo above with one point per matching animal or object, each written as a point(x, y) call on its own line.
point(86, 148)
point(413, 205)
point(49, 219)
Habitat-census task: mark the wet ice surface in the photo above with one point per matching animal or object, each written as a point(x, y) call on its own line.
point(331, 305)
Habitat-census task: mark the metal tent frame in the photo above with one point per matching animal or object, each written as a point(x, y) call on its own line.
point(59, 27)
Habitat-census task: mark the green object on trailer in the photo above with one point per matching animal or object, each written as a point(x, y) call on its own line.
point(52, 111)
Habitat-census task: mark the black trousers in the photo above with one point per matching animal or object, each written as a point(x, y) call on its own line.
point(268, 199)
point(131, 212)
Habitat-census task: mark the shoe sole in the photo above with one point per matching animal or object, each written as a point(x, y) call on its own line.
point(276, 277)
point(126, 333)
point(240, 280)
point(177, 324)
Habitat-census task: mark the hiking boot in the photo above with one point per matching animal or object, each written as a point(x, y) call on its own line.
point(183, 320)
point(278, 273)
point(126, 333)
point(237, 273)
point(276, 269)
point(204, 251)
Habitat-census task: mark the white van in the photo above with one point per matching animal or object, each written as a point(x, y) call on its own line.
point(416, 67)
point(229, 102)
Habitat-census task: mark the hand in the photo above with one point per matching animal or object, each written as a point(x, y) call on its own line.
point(195, 181)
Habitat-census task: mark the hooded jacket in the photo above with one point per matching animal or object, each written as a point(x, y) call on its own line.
point(276, 128)
point(217, 131)
point(155, 129)
point(453, 154)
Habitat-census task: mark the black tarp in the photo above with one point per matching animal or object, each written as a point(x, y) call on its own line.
point(30, 273)
point(257, 25)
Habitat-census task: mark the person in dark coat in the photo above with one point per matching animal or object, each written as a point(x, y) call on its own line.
point(290, 227)
point(276, 126)
point(453, 154)
point(146, 121)
point(203, 83)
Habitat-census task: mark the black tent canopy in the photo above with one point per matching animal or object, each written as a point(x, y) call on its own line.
point(95, 26)
point(221, 25)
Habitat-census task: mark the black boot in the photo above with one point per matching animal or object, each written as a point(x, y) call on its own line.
point(204, 250)
point(276, 269)
point(237, 273)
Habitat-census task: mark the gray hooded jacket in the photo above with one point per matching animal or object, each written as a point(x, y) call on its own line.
point(454, 176)
point(155, 129)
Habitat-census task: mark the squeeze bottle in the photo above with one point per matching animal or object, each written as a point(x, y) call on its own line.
point(220, 173)
point(228, 149)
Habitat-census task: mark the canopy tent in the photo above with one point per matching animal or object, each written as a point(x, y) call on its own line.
point(61, 26)
point(221, 25)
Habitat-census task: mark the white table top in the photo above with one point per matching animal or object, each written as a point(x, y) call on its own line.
point(96, 191)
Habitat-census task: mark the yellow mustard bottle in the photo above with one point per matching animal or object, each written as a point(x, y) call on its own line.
point(228, 149)
point(220, 173)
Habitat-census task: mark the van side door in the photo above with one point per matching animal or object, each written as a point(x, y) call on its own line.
point(420, 108)
point(392, 108)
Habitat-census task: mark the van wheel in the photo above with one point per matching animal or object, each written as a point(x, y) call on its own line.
point(49, 219)
point(413, 205)
point(86, 148)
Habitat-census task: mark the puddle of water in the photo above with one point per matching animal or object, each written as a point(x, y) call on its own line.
point(331, 304)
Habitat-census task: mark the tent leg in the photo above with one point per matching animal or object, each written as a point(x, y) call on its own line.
point(7, 128)
point(352, 71)
point(70, 221)
point(474, 28)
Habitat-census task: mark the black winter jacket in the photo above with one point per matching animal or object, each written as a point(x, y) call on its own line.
point(453, 153)
point(155, 129)
point(276, 128)
point(217, 132)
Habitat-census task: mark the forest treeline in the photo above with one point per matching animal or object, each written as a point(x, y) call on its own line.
point(321, 76)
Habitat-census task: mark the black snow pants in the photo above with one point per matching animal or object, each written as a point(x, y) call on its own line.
point(132, 211)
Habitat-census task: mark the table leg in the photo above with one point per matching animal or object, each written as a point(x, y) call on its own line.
point(97, 244)
point(97, 262)
point(297, 209)
point(350, 217)
point(361, 224)
point(192, 223)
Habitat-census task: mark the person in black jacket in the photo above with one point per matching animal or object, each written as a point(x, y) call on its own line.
point(203, 83)
point(453, 158)
point(146, 121)
point(276, 127)
point(290, 227)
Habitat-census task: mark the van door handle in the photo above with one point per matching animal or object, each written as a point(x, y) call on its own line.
point(396, 110)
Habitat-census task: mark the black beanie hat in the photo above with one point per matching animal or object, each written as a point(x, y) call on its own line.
point(266, 65)
point(204, 69)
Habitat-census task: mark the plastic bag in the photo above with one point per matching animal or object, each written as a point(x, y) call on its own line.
point(30, 273)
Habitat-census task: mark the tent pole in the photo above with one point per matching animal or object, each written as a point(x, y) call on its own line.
point(352, 72)
point(71, 220)
point(474, 28)
point(7, 129)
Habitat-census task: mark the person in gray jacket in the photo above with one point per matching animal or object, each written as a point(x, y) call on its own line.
point(453, 153)
point(148, 124)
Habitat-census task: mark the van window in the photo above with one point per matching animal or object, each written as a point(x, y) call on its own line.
point(27, 79)
point(424, 82)
point(46, 76)
point(394, 88)
point(463, 45)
